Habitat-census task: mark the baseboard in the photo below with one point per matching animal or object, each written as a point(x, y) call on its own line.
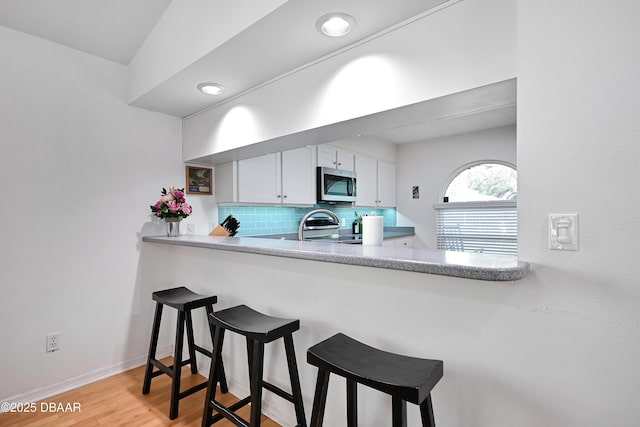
point(84, 379)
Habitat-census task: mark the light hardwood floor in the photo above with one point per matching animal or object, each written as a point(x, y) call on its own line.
point(118, 401)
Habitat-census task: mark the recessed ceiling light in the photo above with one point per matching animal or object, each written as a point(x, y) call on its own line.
point(335, 24)
point(211, 88)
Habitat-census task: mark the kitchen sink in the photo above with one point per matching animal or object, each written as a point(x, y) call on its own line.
point(347, 238)
point(335, 238)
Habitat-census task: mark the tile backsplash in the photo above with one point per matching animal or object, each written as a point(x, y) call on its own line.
point(256, 220)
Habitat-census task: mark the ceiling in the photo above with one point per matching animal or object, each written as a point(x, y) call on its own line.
point(277, 44)
point(282, 41)
point(110, 29)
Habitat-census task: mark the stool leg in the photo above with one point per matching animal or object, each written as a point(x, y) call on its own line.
point(155, 330)
point(295, 381)
point(257, 364)
point(214, 373)
point(192, 350)
point(352, 403)
point(177, 366)
point(212, 330)
point(399, 411)
point(320, 399)
point(426, 413)
point(250, 357)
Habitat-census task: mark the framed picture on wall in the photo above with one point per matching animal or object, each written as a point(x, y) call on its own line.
point(199, 180)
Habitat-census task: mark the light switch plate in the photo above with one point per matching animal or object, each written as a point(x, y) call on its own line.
point(563, 232)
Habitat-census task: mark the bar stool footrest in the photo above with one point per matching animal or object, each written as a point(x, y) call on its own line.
point(163, 369)
point(228, 412)
point(277, 390)
point(194, 389)
point(203, 351)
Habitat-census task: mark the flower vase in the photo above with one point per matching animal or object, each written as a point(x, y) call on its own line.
point(173, 227)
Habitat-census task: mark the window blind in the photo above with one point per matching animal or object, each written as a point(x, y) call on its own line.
point(487, 227)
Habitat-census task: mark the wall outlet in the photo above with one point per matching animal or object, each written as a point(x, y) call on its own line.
point(53, 342)
point(191, 228)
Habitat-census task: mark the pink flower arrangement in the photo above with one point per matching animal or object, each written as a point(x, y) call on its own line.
point(172, 204)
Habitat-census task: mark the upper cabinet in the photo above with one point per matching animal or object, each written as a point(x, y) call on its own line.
point(298, 176)
point(366, 180)
point(259, 179)
point(278, 178)
point(336, 158)
point(376, 182)
point(289, 177)
point(386, 184)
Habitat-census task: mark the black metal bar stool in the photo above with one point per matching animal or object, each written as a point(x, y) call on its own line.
point(406, 379)
point(183, 300)
point(258, 329)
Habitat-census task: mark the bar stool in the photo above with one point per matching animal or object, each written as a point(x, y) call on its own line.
point(406, 379)
point(258, 329)
point(183, 300)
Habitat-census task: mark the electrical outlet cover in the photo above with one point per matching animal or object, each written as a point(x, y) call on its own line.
point(53, 342)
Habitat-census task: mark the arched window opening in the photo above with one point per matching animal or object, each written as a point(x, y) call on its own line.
point(483, 182)
point(478, 213)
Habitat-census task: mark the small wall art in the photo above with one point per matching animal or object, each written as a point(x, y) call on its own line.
point(199, 180)
point(416, 192)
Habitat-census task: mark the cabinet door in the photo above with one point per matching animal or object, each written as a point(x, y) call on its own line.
point(336, 158)
point(259, 179)
point(366, 181)
point(386, 184)
point(327, 156)
point(345, 160)
point(298, 176)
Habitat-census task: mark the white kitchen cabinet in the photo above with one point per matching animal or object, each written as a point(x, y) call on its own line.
point(366, 181)
point(260, 180)
point(376, 182)
point(298, 176)
point(278, 178)
point(386, 184)
point(225, 182)
point(336, 158)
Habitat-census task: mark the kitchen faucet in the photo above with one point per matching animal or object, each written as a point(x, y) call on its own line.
point(304, 219)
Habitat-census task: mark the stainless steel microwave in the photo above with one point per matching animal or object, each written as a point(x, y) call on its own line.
point(336, 185)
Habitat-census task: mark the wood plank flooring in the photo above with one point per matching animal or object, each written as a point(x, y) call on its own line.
point(118, 401)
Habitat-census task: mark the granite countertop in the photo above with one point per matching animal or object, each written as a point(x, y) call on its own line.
point(389, 232)
point(456, 264)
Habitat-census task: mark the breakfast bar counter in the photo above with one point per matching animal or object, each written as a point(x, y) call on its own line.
point(456, 264)
point(417, 302)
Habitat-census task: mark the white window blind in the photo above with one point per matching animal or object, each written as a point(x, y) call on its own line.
point(487, 227)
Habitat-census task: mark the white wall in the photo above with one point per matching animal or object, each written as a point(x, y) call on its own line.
point(78, 169)
point(430, 165)
point(578, 128)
